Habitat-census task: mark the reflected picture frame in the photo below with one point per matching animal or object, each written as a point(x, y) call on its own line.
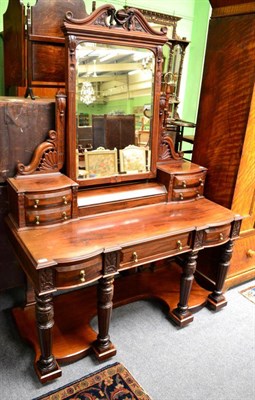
point(101, 162)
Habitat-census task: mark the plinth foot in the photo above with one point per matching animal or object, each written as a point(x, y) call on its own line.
point(46, 375)
point(181, 319)
point(103, 354)
point(216, 304)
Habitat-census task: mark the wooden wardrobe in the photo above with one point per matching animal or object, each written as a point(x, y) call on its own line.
point(225, 134)
point(112, 131)
point(31, 36)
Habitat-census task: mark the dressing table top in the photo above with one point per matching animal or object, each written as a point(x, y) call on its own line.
point(80, 239)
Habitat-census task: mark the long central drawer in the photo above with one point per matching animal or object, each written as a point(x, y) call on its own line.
point(143, 253)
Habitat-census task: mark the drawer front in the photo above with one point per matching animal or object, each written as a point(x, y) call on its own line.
point(187, 194)
point(70, 276)
point(48, 199)
point(154, 250)
point(216, 235)
point(242, 265)
point(186, 181)
point(47, 216)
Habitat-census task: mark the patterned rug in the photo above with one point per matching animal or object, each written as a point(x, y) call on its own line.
point(110, 383)
point(249, 293)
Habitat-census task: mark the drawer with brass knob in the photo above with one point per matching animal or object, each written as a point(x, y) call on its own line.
point(139, 254)
point(70, 276)
point(49, 199)
point(45, 199)
point(216, 235)
point(188, 186)
point(187, 194)
point(44, 216)
point(189, 180)
point(184, 181)
point(242, 266)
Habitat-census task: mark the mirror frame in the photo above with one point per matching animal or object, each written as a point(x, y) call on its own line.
point(126, 27)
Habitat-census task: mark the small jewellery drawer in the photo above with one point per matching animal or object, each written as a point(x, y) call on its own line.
point(47, 215)
point(49, 199)
point(70, 276)
point(42, 199)
point(154, 250)
point(187, 194)
point(216, 235)
point(186, 181)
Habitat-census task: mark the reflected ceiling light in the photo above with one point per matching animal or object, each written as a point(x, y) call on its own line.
point(87, 95)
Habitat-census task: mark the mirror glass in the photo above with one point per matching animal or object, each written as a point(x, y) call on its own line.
point(114, 88)
point(172, 76)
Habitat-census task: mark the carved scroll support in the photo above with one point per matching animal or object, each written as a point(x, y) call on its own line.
point(216, 300)
point(46, 367)
point(45, 158)
point(103, 347)
point(48, 157)
point(181, 315)
point(167, 151)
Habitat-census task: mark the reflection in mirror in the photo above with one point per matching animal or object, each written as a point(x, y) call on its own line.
point(172, 75)
point(114, 86)
point(174, 52)
point(172, 78)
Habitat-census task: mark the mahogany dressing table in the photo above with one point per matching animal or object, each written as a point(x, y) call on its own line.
point(137, 232)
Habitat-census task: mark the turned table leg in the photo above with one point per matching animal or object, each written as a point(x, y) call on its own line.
point(103, 347)
point(216, 299)
point(181, 315)
point(46, 367)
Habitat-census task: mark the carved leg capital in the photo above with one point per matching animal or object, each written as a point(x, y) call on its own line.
point(181, 315)
point(46, 367)
point(216, 300)
point(103, 347)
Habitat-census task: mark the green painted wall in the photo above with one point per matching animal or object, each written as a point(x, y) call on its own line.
point(193, 25)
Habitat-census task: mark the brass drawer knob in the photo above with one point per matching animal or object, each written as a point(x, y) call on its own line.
point(181, 196)
point(36, 203)
point(64, 200)
point(250, 253)
point(184, 184)
point(221, 236)
point(37, 220)
point(198, 195)
point(64, 216)
point(201, 182)
point(179, 245)
point(135, 256)
point(82, 275)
